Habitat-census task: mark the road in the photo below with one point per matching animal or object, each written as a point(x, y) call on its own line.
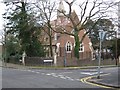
point(40, 78)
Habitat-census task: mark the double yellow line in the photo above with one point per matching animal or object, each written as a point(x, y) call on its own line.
point(85, 80)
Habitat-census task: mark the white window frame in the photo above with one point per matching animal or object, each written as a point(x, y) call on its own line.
point(68, 47)
point(81, 49)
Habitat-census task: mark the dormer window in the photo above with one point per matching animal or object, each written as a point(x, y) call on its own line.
point(68, 47)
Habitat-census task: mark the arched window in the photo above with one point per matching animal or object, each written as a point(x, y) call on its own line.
point(68, 47)
point(81, 49)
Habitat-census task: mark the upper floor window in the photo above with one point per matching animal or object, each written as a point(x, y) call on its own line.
point(68, 47)
point(81, 49)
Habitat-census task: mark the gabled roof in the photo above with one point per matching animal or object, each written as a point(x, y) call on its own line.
point(60, 9)
point(74, 17)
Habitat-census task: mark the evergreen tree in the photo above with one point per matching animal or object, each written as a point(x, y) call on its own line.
point(22, 25)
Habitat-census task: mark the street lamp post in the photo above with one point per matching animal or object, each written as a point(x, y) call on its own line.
point(101, 37)
point(116, 48)
point(65, 56)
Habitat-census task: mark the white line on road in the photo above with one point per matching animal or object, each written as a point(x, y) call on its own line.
point(33, 71)
point(90, 73)
point(71, 79)
point(67, 77)
point(63, 77)
point(29, 70)
point(37, 72)
point(60, 75)
point(48, 74)
point(54, 75)
point(65, 72)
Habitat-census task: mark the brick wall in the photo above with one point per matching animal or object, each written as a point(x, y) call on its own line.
point(37, 61)
point(83, 62)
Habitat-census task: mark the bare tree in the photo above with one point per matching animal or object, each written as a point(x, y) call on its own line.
point(116, 39)
point(88, 10)
point(45, 14)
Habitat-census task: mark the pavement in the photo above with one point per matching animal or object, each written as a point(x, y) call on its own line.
point(15, 66)
point(110, 80)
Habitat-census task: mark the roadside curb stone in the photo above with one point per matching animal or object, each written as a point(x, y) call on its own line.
point(101, 82)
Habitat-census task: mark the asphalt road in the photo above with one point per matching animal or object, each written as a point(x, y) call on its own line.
point(39, 78)
point(0, 77)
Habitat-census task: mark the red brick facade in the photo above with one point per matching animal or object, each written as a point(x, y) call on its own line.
point(65, 43)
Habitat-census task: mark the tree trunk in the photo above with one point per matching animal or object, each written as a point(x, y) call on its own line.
point(51, 51)
point(77, 45)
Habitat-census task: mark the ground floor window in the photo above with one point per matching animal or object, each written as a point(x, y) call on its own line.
point(68, 47)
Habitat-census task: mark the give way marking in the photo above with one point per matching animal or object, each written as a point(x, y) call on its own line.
point(90, 73)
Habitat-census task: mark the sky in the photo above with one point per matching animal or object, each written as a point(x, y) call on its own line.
point(2, 6)
point(2, 10)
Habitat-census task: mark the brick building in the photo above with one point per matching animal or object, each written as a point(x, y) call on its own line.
point(63, 45)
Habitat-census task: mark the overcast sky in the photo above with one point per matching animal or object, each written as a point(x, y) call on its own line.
point(2, 6)
point(2, 10)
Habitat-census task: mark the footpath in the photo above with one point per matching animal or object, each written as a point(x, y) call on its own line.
point(110, 80)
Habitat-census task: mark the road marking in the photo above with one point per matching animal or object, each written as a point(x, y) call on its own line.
point(77, 79)
point(48, 74)
point(29, 70)
point(71, 79)
point(62, 77)
point(37, 72)
point(33, 71)
point(54, 75)
point(84, 80)
point(93, 70)
point(65, 72)
point(68, 77)
point(90, 73)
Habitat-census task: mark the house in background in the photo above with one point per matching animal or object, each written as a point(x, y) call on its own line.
point(63, 45)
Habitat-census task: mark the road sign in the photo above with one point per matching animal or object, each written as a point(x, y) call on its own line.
point(102, 35)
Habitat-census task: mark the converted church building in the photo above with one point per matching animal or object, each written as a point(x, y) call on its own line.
point(63, 45)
